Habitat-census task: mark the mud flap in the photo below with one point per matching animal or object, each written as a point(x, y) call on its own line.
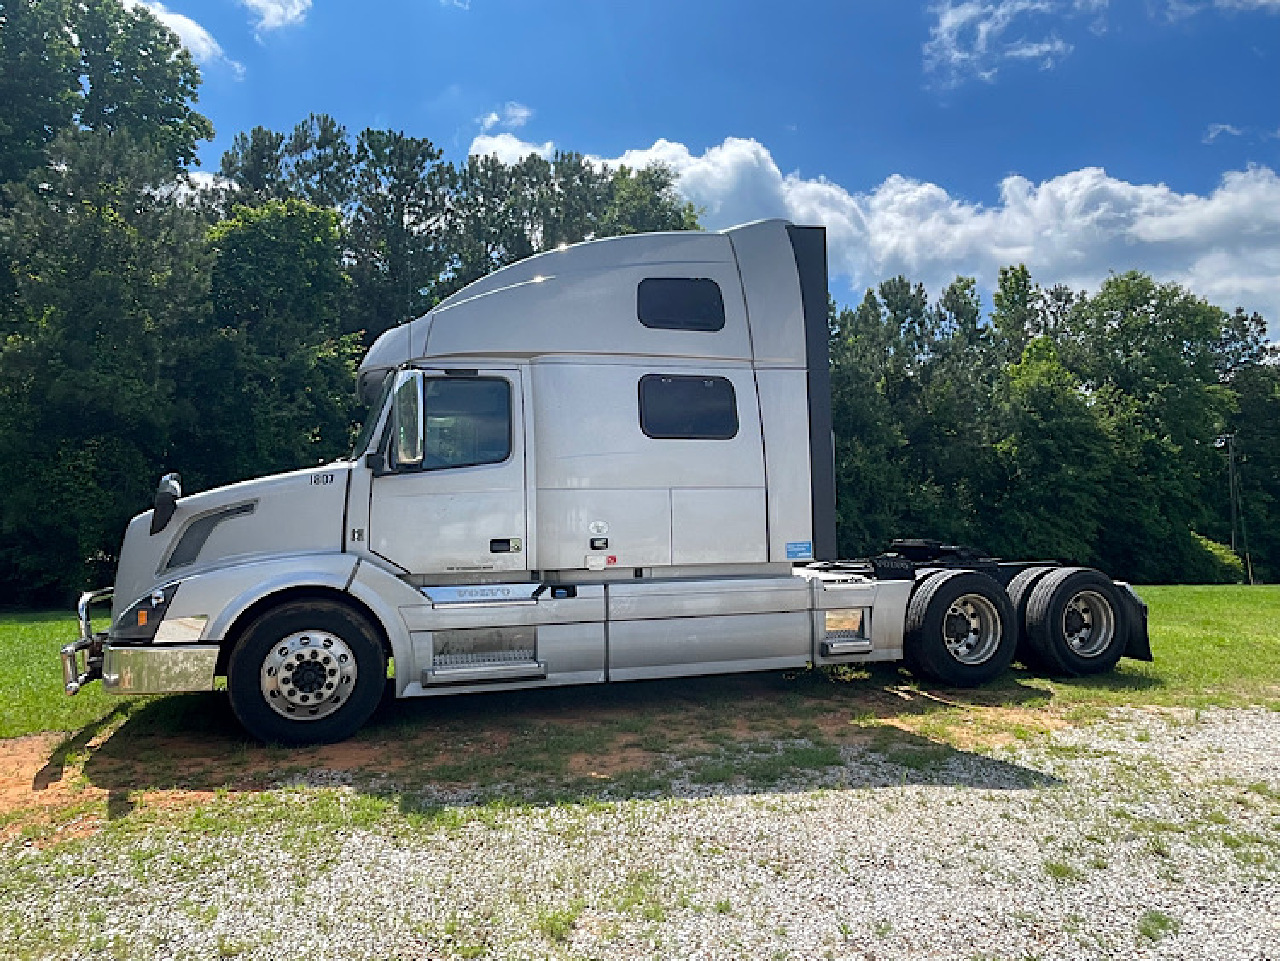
point(1138, 645)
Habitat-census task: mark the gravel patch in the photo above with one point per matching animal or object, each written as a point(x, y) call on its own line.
point(1146, 836)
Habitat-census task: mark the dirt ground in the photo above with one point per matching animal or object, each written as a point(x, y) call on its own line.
point(175, 753)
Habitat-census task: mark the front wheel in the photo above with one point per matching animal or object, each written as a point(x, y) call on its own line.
point(959, 629)
point(306, 672)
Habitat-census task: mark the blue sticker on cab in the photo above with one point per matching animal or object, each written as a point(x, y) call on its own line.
point(799, 550)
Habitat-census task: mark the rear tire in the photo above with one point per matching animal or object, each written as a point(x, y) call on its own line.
point(306, 672)
point(1019, 591)
point(959, 629)
point(1075, 622)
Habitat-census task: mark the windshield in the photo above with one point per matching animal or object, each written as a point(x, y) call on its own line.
point(371, 419)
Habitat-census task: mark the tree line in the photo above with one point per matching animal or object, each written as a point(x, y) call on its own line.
point(1090, 428)
point(152, 320)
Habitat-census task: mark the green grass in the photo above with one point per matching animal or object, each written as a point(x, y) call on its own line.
point(556, 924)
point(1155, 925)
point(29, 664)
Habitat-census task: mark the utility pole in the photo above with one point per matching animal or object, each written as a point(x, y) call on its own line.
point(1237, 511)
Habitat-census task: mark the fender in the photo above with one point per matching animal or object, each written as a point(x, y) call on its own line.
point(385, 594)
point(223, 594)
point(226, 593)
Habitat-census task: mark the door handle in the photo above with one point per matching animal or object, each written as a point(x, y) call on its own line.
point(505, 545)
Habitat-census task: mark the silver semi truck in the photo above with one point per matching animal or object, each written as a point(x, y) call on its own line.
point(608, 462)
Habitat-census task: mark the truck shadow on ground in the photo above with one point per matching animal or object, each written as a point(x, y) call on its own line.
point(687, 737)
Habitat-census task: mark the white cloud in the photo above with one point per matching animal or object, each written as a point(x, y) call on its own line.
point(1072, 229)
point(1216, 130)
point(513, 116)
point(1178, 9)
point(508, 148)
point(273, 14)
point(974, 38)
point(203, 180)
point(969, 37)
point(204, 48)
point(1272, 6)
point(1047, 52)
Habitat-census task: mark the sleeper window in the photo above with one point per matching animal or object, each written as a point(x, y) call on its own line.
point(680, 303)
point(688, 408)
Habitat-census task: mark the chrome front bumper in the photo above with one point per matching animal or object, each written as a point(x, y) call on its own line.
point(162, 669)
point(134, 669)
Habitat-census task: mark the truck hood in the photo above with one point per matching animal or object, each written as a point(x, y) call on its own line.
point(295, 513)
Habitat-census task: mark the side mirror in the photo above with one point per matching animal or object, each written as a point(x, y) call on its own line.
point(166, 503)
point(406, 419)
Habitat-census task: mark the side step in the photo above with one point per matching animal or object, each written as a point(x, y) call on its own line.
point(485, 673)
point(853, 645)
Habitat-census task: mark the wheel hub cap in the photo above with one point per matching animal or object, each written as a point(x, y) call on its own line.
point(1088, 624)
point(971, 629)
point(308, 675)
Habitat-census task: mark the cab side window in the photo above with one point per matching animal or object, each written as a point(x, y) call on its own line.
point(466, 421)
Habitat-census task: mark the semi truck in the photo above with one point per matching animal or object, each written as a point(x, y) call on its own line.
point(609, 462)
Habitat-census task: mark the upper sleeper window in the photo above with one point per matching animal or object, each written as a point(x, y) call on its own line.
point(680, 303)
point(688, 408)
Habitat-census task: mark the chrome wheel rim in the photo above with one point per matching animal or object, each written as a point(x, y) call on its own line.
point(1088, 624)
point(308, 675)
point(971, 629)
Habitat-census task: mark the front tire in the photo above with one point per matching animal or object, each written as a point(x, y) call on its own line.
point(960, 629)
point(1075, 622)
point(306, 672)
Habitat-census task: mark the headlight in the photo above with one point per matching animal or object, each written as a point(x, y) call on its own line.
point(142, 618)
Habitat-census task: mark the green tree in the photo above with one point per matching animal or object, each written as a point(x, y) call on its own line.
point(39, 81)
point(395, 229)
point(1053, 456)
point(873, 491)
point(138, 78)
point(1149, 353)
point(646, 200)
point(320, 163)
point(270, 382)
point(254, 168)
point(109, 271)
point(488, 222)
point(1255, 425)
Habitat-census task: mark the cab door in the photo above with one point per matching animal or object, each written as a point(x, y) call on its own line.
point(450, 497)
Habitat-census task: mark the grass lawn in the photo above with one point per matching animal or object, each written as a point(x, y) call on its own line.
point(32, 677)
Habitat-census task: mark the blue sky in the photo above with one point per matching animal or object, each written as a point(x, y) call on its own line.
point(932, 138)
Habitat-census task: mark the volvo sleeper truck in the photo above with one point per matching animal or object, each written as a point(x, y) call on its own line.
point(608, 462)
